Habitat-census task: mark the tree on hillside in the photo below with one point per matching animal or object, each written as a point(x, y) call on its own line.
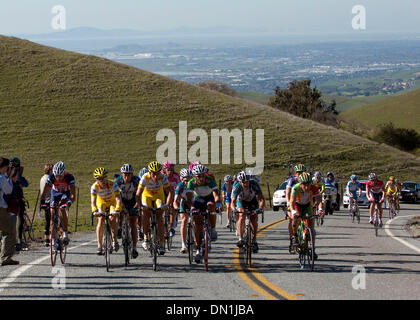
point(217, 86)
point(402, 138)
point(303, 101)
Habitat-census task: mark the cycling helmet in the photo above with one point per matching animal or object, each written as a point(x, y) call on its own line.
point(242, 176)
point(257, 179)
point(330, 174)
point(372, 176)
point(353, 177)
point(185, 173)
point(305, 178)
point(392, 178)
point(168, 165)
point(127, 168)
point(154, 166)
point(193, 164)
point(59, 168)
point(300, 168)
point(228, 178)
point(100, 173)
point(142, 172)
point(199, 169)
point(318, 174)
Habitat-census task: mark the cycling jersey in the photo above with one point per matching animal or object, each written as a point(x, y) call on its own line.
point(61, 186)
point(354, 188)
point(330, 183)
point(302, 197)
point(245, 197)
point(204, 190)
point(106, 196)
point(291, 182)
point(174, 180)
point(320, 185)
point(153, 191)
point(375, 187)
point(181, 190)
point(128, 190)
point(391, 188)
point(228, 190)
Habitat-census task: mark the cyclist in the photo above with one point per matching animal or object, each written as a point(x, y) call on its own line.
point(180, 203)
point(375, 192)
point(392, 192)
point(128, 184)
point(246, 194)
point(300, 168)
point(226, 196)
point(61, 185)
point(140, 220)
point(104, 194)
point(301, 202)
point(318, 182)
point(174, 180)
point(151, 193)
point(352, 187)
point(202, 195)
point(399, 187)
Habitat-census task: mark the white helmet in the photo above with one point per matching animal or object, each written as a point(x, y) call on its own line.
point(59, 168)
point(242, 176)
point(184, 173)
point(199, 169)
point(127, 168)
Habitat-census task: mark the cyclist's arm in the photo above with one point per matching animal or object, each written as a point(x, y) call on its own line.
point(216, 196)
point(138, 196)
point(93, 202)
point(176, 201)
point(46, 190)
point(288, 191)
point(169, 197)
point(72, 193)
point(261, 199)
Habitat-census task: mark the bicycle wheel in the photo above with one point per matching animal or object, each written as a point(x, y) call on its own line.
point(63, 252)
point(190, 243)
point(126, 242)
point(53, 247)
point(108, 247)
point(300, 248)
point(206, 249)
point(155, 246)
point(27, 228)
point(376, 223)
point(310, 245)
point(248, 246)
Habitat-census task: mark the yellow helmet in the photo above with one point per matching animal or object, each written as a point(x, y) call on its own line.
point(100, 173)
point(300, 168)
point(305, 178)
point(154, 166)
point(392, 178)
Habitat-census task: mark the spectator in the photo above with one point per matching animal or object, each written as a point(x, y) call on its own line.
point(16, 202)
point(47, 171)
point(8, 175)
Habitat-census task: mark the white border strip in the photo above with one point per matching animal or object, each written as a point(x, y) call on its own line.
point(15, 274)
point(398, 239)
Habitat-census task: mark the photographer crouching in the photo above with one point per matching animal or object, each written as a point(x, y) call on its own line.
point(8, 175)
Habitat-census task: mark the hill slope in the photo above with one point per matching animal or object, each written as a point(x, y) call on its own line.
point(90, 112)
point(402, 110)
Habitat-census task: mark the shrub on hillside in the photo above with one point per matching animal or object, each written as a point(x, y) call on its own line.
point(217, 86)
point(305, 102)
point(401, 138)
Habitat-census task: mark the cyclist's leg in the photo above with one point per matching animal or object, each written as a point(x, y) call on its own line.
point(183, 229)
point(199, 223)
point(133, 226)
point(228, 210)
point(47, 224)
point(160, 222)
point(113, 220)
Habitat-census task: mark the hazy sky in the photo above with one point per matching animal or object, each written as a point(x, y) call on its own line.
point(280, 16)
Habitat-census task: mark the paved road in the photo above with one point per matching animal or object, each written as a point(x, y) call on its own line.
point(392, 267)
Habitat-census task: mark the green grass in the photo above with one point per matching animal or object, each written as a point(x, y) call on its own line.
point(90, 112)
point(402, 110)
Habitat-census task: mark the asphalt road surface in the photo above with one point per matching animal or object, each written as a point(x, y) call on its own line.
point(353, 264)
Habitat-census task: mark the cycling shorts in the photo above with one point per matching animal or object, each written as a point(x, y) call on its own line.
point(58, 197)
point(129, 206)
point(304, 210)
point(201, 203)
point(157, 201)
point(250, 205)
point(376, 196)
point(183, 206)
point(228, 198)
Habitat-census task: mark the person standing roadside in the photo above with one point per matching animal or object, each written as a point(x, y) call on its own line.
point(8, 175)
point(47, 171)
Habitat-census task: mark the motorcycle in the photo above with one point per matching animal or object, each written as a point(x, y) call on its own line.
point(329, 200)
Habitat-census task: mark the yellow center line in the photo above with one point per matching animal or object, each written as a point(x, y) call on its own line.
point(258, 275)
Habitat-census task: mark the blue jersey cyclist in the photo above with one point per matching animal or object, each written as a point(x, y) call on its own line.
point(353, 186)
point(180, 203)
point(246, 194)
point(62, 187)
point(202, 194)
point(227, 196)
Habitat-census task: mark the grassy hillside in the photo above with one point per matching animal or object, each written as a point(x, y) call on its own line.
point(403, 110)
point(90, 112)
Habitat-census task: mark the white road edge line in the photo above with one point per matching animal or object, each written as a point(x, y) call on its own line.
point(15, 274)
point(398, 239)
